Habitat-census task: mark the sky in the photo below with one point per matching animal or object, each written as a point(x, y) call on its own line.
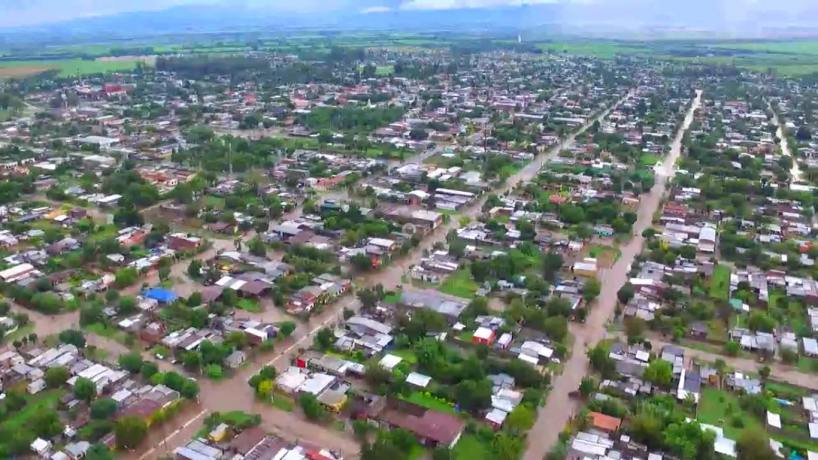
point(32, 12)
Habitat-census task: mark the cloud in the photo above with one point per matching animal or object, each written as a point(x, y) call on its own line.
point(376, 9)
point(458, 4)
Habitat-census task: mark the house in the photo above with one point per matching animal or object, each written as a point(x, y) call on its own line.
point(587, 267)
point(483, 336)
point(235, 359)
point(604, 423)
point(41, 447)
point(183, 242)
point(432, 428)
point(449, 306)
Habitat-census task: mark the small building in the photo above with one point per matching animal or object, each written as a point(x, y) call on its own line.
point(483, 336)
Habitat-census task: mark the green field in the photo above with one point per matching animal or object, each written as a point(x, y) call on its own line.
point(66, 67)
point(17, 421)
point(721, 408)
point(601, 49)
point(471, 448)
point(720, 283)
point(460, 284)
point(429, 402)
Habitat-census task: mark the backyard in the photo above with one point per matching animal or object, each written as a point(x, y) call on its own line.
point(460, 284)
point(720, 283)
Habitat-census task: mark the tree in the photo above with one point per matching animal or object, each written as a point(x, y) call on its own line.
point(764, 372)
point(600, 359)
point(194, 270)
point(85, 389)
point(660, 373)
point(130, 431)
point(164, 273)
point(131, 362)
point(591, 289)
point(731, 348)
point(361, 262)
point(473, 395)
point(587, 386)
point(192, 360)
point(634, 328)
point(257, 247)
point(803, 133)
point(369, 298)
point(149, 369)
point(98, 452)
point(103, 408)
point(73, 337)
point(625, 293)
point(754, 444)
point(760, 321)
point(56, 377)
point(190, 389)
point(520, 420)
point(552, 263)
point(286, 328)
point(125, 277)
point(324, 339)
point(126, 305)
point(311, 407)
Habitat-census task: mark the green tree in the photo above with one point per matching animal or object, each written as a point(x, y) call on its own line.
point(130, 431)
point(520, 420)
point(754, 444)
point(131, 362)
point(99, 452)
point(587, 386)
point(56, 377)
point(324, 339)
point(600, 359)
point(73, 337)
point(660, 373)
point(311, 407)
point(194, 268)
point(103, 408)
point(286, 328)
point(85, 389)
point(591, 289)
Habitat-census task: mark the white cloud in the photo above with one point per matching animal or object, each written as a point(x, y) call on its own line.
point(457, 4)
point(376, 9)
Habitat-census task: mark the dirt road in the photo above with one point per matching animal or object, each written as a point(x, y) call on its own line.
point(559, 407)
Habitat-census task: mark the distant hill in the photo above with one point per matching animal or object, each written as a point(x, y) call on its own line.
point(608, 18)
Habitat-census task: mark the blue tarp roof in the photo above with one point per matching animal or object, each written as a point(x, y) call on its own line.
point(161, 295)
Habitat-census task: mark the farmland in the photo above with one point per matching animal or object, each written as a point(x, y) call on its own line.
point(68, 67)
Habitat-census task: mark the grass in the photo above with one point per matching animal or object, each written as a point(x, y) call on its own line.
point(250, 305)
point(648, 159)
point(283, 403)
point(720, 408)
point(65, 67)
point(470, 447)
point(720, 283)
point(392, 298)
point(110, 332)
point(48, 399)
point(430, 402)
point(407, 355)
point(806, 364)
point(460, 284)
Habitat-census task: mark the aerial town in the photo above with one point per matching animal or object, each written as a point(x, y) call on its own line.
point(409, 253)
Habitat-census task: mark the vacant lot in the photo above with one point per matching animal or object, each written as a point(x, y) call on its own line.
point(460, 284)
point(720, 283)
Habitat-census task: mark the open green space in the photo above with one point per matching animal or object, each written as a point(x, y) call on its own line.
point(720, 283)
point(470, 447)
point(460, 284)
point(722, 409)
point(430, 402)
point(18, 420)
point(66, 67)
point(250, 305)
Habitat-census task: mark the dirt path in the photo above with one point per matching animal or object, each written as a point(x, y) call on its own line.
point(559, 408)
point(796, 175)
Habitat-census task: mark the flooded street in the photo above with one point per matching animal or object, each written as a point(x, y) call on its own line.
point(559, 408)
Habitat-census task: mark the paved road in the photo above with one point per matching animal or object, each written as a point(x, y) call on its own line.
point(559, 407)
